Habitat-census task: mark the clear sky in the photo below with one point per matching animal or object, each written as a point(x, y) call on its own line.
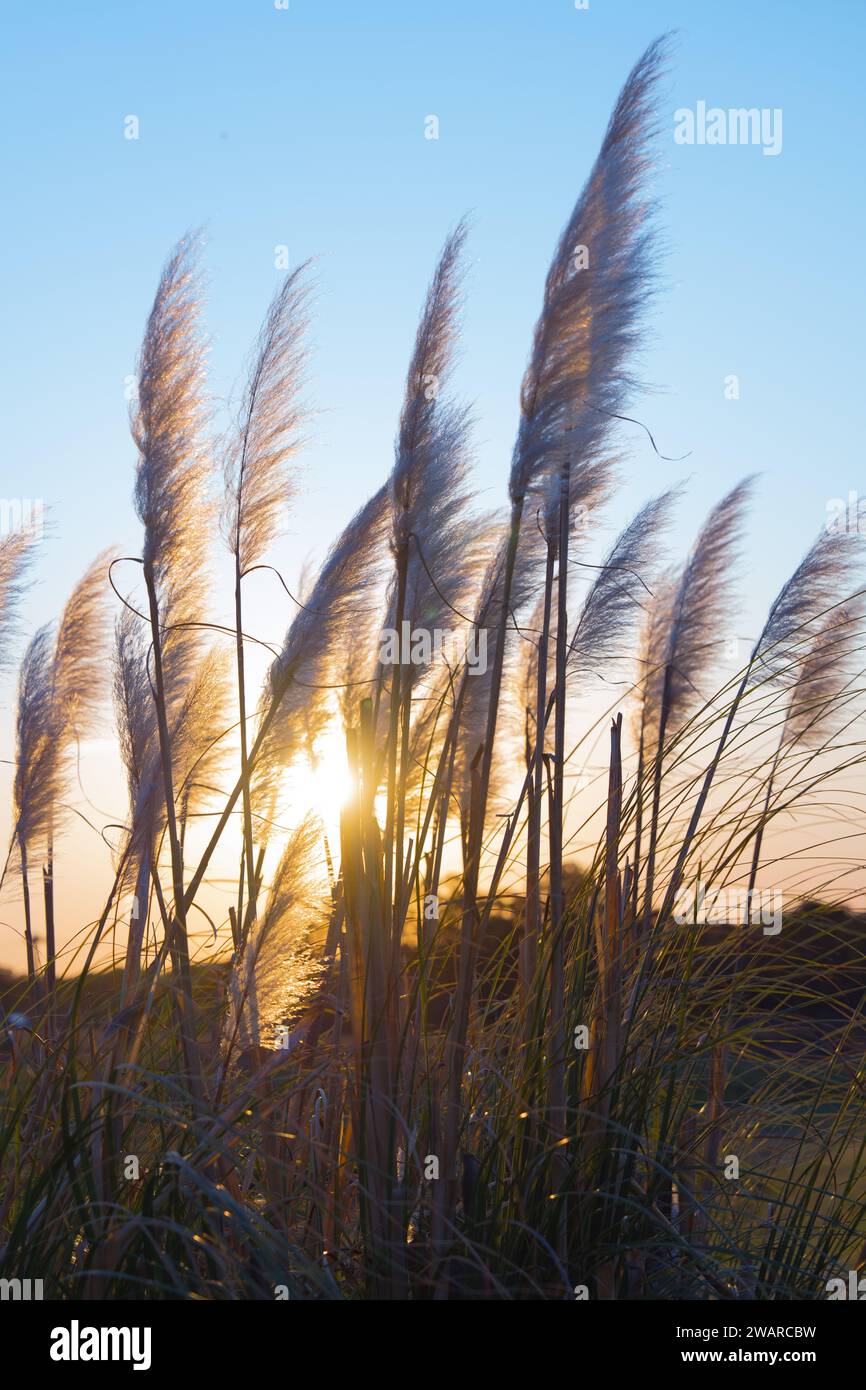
point(305, 127)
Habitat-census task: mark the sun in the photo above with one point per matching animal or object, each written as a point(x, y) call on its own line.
point(322, 785)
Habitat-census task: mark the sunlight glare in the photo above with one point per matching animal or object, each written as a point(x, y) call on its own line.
point(323, 785)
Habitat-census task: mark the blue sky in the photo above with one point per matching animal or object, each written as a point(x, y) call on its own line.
point(305, 127)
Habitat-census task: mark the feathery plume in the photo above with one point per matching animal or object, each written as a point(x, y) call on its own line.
point(432, 537)
point(15, 556)
point(426, 457)
point(37, 783)
point(197, 720)
point(621, 589)
point(824, 673)
point(172, 503)
point(167, 426)
point(258, 484)
point(281, 963)
point(199, 749)
point(819, 678)
point(697, 605)
point(688, 620)
point(81, 649)
point(266, 436)
point(493, 623)
point(821, 580)
point(653, 635)
point(135, 716)
point(312, 659)
point(596, 289)
point(58, 699)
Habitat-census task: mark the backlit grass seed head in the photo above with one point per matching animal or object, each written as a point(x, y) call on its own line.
point(267, 435)
point(168, 420)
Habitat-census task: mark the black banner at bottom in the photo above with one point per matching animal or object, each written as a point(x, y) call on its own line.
point(150, 1338)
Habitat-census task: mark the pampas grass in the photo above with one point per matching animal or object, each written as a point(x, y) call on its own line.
point(279, 965)
point(467, 1045)
point(259, 485)
point(15, 555)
